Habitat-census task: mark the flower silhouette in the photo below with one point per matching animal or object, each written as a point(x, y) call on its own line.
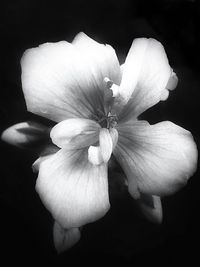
point(95, 103)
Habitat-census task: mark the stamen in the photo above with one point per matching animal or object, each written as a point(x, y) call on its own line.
point(106, 118)
point(115, 90)
point(111, 92)
point(112, 120)
point(112, 86)
point(108, 82)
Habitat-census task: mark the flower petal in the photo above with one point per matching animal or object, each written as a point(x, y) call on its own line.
point(114, 136)
point(77, 133)
point(145, 77)
point(58, 81)
point(72, 189)
point(25, 134)
point(64, 239)
point(106, 144)
point(46, 153)
point(94, 155)
point(172, 82)
point(157, 159)
point(102, 59)
point(151, 207)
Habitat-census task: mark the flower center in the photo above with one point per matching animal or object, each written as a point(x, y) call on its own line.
point(107, 121)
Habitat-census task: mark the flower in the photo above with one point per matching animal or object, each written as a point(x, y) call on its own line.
point(96, 103)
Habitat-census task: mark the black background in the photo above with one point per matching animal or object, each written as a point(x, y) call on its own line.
point(123, 236)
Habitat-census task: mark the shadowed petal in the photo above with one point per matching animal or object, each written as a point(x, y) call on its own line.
point(64, 239)
point(72, 189)
point(146, 73)
point(151, 207)
point(59, 82)
point(25, 134)
point(157, 159)
point(172, 82)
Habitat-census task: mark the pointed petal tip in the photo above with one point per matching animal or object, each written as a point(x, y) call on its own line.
point(151, 208)
point(12, 136)
point(64, 239)
point(172, 82)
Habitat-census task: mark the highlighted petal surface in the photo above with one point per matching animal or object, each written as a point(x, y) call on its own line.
point(157, 159)
point(146, 73)
point(94, 155)
point(62, 80)
point(72, 189)
point(101, 58)
point(106, 144)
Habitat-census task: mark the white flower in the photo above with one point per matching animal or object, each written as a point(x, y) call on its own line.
point(96, 104)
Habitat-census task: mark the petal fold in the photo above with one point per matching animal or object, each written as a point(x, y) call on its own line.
point(75, 133)
point(72, 189)
point(157, 159)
